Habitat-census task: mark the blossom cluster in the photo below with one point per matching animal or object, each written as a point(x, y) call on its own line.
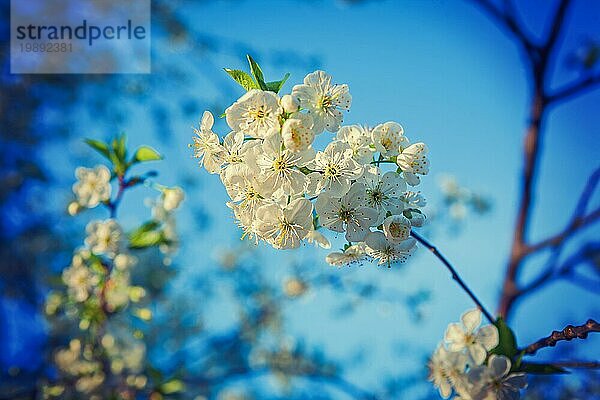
point(463, 363)
point(98, 290)
point(282, 190)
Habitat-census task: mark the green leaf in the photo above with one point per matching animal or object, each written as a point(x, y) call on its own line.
point(146, 235)
point(507, 344)
point(257, 72)
point(145, 153)
point(275, 86)
point(541, 369)
point(242, 78)
point(99, 146)
point(172, 386)
point(119, 147)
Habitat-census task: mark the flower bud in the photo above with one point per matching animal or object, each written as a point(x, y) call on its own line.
point(289, 104)
point(172, 198)
point(396, 228)
point(297, 132)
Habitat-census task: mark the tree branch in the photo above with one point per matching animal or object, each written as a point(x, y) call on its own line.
point(570, 332)
point(574, 89)
point(577, 224)
point(577, 364)
point(507, 21)
point(455, 275)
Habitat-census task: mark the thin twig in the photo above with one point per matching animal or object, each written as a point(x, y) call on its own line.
point(570, 332)
point(455, 275)
point(574, 89)
point(577, 364)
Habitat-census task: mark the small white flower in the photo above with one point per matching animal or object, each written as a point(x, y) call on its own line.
point(289, 104)
point(347, 213)
point(206, 146)
point(413, 200)
point(335, 169)
point(413, 162)
point(359, 139)
point(318, 239)
point(124, 261)
point(384, 193)
point(389, 138)
point(447, 370)
point(104, 237)
point(80, 281)
point(92, 186)
point(297, 132)
point(396, 228)
point(233, 144)
point(387, 252)
point(255, 114)
point(285, 227)
point(323, 100)
point(466, 336)
point(353, 254)
point(417, 220)
point(244, 189)
point(279, 167)
point(172, 198)
point(495, 382)
point(117, 290)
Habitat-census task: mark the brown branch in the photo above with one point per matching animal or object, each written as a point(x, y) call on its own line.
point(575, 89)
point(570, 332)
point(567, 269)
point(507, 21)
point(455, 275)
point(577, 224)
point(532, 145)
point(577, 364)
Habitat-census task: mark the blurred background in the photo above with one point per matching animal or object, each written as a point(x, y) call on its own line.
point(236, 321)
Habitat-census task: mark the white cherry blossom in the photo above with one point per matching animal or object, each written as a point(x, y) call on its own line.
point(244, 189)
point(335, 169)
point(318, 239)
point(353, 254)
point(104, 237)
point(297, 132)
point(396, 228)
point(289, 104)
point(172, 198)
point(255, 114)
point(470, 338)
point(92, 186)
point(279, 167)
point(384, 193)
point(495, 382)
point(413, 162)
point(389, 138)
point(386, 252)
point(323, 100)
point(346, 213)
point(284, 227)
point(447, 370)
point(206, 146)
point(359, 139)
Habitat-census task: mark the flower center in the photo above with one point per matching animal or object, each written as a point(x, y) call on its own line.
point(397, 230)
point(376, 196)
point(331, 170)
point(258, 113)
point(345, 214)
point(386, 143)
point(325, 102)
point(280, 164)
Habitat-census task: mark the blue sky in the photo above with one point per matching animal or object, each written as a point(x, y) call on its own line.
point(453, 80)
